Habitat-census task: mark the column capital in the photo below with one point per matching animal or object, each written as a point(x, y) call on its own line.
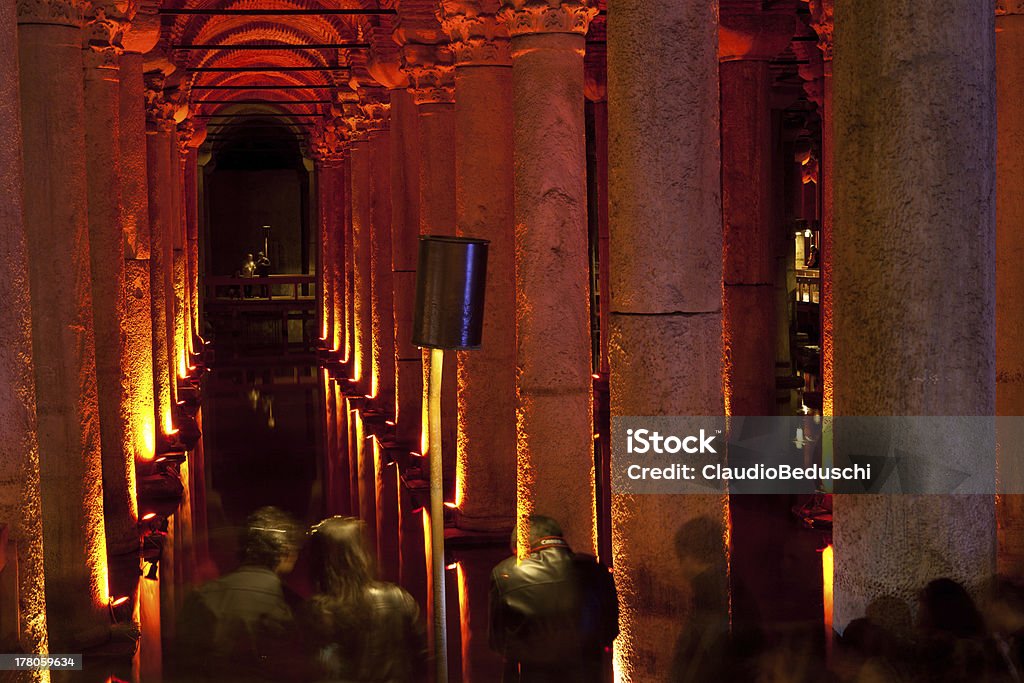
point(190, 136)
point(328, 141)
point(477, 36)
point(431, 73)
point(376, 114)
point(159, 111)
point(56, 12)
point(1009, 7)
point(102, 36)
point(525, 17)
point(752, 34)
point(821, 22)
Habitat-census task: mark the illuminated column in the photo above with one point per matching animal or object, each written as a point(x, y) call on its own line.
point(666, 317)
point(331, 194)
point(1009, 255)
point(746, 42)
point(106, 248)
point(382, 290)
point(596, 90)
point(821, 12)
point(137, 324)
point(360, 257)
point(159, 132)
point(190, 171)
point(486, 465)
point(179, 305)
point(19, 450)
point(914, 275)
point(63, 346)
point(431, 80)
point(554, 387)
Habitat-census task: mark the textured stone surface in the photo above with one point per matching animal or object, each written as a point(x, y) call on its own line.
point(555, 425)
point(380, 246)
point(361, 300)
point(63, 346)
point(914, 276)
point(20, 503)
point(106, 249)
point(1009, 257)
point(665, 349)
point(487, 376)
point(158, 166)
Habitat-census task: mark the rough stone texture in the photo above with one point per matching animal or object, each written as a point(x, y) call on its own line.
point(914, 276)
point(554, 387)
point(388, 549)
point(1009, 256)
point(136, 324)
point(361, 301)
point(20, 503)
point(157, 142)
point(487, 376)
point(749, 244)
point(63, 346)
point(340, 220)
point(383, 288)
point(665, 349)
point(106, 249)
point(405, 225)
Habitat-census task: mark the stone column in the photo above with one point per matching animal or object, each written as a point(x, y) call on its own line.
point(405, 226)
point(382, 290)
point(106, 248)
point(554, 387)
point(1009, 255)
point(921, 176)
point(596, 91)
point(486, 467)
point(747, 40)
point(137, 324)
point(360, 246)
point(63, 345)
point(196, 135)
point(821, 11)
point(20, 503)
point(159, 132)
point(331, 193)
point(431, 80)
point(666, 320)
point(179, 303)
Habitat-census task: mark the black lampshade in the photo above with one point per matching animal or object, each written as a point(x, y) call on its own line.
point(450, 282)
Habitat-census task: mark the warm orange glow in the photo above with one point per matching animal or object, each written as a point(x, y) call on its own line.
point(146, 437)
point(464, 622)
point(450, 505)
point(452, 565)
point(182, 364)
point(148, 516)
point(827, 577)
point(168, 422)
point(120, 601)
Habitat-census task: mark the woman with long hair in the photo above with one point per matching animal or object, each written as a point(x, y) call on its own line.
point(365, 631)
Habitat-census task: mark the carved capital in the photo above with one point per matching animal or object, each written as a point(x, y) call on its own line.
point(159, 111)
point(431, 73)
point(477, 36)
point(328, 140)
point(102, 37)
point(524, 17)
point(821, 22)
point(57, 12)
point(376, 114)
point(144, 32)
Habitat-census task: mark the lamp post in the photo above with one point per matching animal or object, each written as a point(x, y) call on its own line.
point(450, 282)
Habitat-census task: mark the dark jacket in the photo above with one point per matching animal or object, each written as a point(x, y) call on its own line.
point(240, 628)
point(382, 641)
point(552, 616)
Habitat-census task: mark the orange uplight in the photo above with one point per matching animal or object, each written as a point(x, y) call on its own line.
point(147, 434)
point(453, 565)
point(120, 601)
point(827, 578)
point(168, 422)
point(182, 364)
point(464, 623)
point(450, 505)
point(148, 516)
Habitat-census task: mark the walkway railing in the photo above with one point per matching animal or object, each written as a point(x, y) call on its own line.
point(260, 289)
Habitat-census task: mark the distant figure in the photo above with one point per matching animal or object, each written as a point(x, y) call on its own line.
point(248, 270)
point(364, 630)
point(263, 270)
point(554, 613)
point(812, 258)
point(240, 627)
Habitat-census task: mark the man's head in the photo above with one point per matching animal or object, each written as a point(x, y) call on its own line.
point(271, 540)
point(543, 527)
point(248, 257)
